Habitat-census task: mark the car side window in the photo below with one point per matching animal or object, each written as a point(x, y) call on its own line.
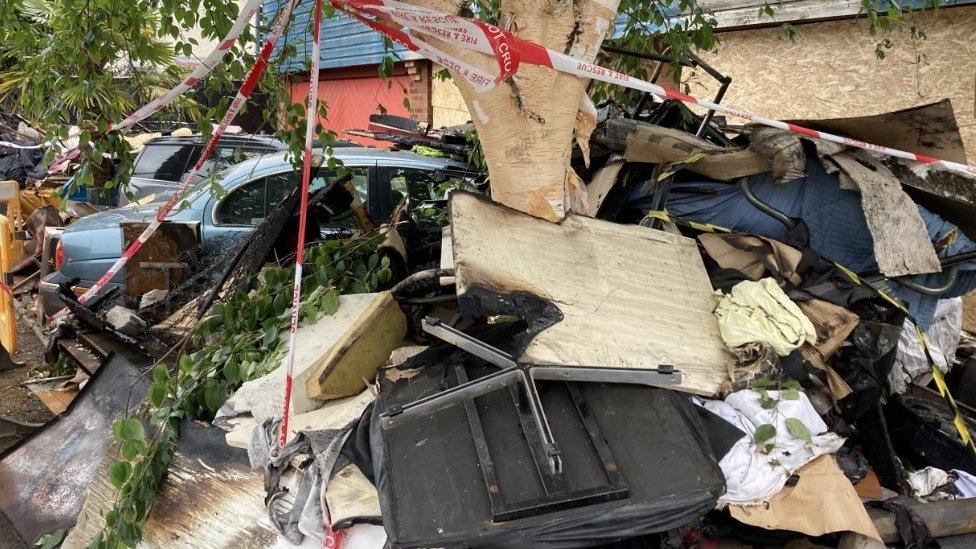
point(165, 162)
point(245, 205)
point(418, 184)
point(346, 219)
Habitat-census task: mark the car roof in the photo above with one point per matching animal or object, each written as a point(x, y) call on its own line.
point(237, 139)
point(263, 140)
point(274, 162)
point(278, 162)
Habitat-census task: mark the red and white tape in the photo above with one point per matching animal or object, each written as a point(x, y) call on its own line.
point(468, 34)
point(311, 120)
point(242, 96)
point(199, 72)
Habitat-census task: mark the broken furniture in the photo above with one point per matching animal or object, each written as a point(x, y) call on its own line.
point(170, 257)
point(594, 293)
point(432, 476)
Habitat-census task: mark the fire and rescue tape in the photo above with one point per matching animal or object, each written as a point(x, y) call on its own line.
point(243, 94)
point(332, 539)
point(459, 32)
point(311, 120)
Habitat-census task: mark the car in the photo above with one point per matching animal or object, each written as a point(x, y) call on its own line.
point(163, 161)
point(251, 189)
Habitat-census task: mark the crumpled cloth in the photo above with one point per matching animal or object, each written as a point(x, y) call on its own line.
point(925, 481)
point(965, 484)
point(752, 477)
point(308, 514)
point(761, 311)
point(911, 364)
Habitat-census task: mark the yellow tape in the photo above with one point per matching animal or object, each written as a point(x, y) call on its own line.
point(704, 227)
point(940, 383)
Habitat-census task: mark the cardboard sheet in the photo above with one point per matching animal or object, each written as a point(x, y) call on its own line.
point(822, 502)
point(621, 296)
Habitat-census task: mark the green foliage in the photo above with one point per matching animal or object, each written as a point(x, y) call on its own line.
point(763, 433)
point(90, 63)
point(237, 341)
point(788, 389)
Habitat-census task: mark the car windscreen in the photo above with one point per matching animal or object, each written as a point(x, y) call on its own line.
point(165, 162)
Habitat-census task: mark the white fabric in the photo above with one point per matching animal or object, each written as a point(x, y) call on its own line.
point(965, 484)
point(925, 481)
point(750, 477)
point(911, 364)
point(760, 311)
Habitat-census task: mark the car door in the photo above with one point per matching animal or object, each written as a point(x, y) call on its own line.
point(231, 217)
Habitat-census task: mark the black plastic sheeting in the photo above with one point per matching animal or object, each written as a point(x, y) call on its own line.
point(16, 164)
point(44, 478)
point(432, 492)
point(923, 433)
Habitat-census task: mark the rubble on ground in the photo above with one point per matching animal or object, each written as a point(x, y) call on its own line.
point(749, 340)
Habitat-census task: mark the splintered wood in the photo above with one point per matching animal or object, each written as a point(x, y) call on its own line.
point(630, 296)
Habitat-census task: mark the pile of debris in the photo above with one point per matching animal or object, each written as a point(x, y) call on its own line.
point(754, 336)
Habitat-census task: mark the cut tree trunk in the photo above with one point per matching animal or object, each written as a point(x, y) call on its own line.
point(526, 124)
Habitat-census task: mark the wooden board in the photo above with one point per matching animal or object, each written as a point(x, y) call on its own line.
point(629, 296)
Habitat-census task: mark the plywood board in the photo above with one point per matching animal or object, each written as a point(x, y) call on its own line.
point(628, 296)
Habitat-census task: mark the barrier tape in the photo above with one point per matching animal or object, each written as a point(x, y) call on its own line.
point(957, 418)
point(459, 31)
point(198, 73)
point(242, 96)
point(311, 120)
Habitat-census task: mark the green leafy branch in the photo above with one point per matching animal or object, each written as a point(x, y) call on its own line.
point(236, 342)
point(765, 434)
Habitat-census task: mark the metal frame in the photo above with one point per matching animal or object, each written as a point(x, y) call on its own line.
point(520, 380)
point(525, 375)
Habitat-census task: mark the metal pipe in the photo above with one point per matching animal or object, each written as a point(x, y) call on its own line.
point(952, 275)
point(762, 206)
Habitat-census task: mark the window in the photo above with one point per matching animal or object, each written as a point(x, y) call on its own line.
point(418, 184)
point(165, 162)
point(252, 202)
point(244, 205)
point(343, 221)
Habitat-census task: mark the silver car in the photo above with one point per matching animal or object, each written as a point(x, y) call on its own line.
point(89, 246)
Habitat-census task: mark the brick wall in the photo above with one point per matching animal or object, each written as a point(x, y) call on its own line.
point(419, 91)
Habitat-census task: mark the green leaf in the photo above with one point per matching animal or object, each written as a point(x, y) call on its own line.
point(215, 397)
point(330, 302)
point(186, 363)
point(129, 429)
point(792, 384)
point(157, 393)
point(763, 433)
point(232, 371)
point(160, 373)
point(798, 429)
point(118, 473)
point(765, 401)
point(762, 383)
point(129, 450)
point(789, 394)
